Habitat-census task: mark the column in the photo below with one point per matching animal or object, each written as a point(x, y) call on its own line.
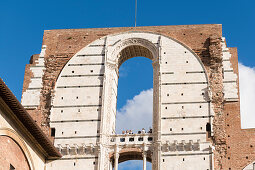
point(144, 160)
point(116, 156)
point(110, 166)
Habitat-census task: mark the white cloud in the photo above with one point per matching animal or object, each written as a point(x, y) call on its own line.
point(247, 95)
point(137, 113)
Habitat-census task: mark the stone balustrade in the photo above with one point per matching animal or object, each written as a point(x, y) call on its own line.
point(131, 139)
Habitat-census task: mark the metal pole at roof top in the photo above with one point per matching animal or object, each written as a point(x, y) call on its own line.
point(135, 11)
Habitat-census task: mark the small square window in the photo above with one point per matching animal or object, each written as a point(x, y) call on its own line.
point(150, 138)
point(140, 139)
point(131, 139)
point(91, 71)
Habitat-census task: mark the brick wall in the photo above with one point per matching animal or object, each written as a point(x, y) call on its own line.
point(12, 154)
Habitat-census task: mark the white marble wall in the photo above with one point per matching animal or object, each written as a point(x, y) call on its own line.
point(31, 97)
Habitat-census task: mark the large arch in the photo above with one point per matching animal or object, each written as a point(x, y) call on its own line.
point(86, 94)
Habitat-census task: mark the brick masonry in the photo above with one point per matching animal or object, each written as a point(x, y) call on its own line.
point(12, 154)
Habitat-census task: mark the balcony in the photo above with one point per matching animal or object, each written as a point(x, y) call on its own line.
point(131, 139)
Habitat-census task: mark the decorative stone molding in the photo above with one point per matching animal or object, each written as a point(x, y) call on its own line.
point(75, 149)
point(181, 146)
point(118, 47)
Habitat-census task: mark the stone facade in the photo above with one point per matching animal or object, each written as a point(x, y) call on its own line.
point(71, 90)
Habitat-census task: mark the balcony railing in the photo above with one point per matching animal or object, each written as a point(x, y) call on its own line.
point(124, 139)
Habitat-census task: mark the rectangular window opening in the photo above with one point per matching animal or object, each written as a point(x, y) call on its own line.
point(53, 132)
point(150, 139)
point(208, 129)
point(140, 139)
point(131, 139)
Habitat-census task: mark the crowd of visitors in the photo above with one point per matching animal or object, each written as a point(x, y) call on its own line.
point(139, 132)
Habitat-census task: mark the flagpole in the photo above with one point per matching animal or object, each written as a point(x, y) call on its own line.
point(135, 11)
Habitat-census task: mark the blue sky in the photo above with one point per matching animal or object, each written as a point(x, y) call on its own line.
point(22, 24)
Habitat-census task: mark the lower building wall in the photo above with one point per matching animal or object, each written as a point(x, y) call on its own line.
point(187, 162)
point(12, 155)
point(72, 164)
point(15, 149)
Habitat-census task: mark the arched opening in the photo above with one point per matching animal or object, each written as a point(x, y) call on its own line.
point(132, 158)
point(141, 89)
point(135, 96)
point(133, 51)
